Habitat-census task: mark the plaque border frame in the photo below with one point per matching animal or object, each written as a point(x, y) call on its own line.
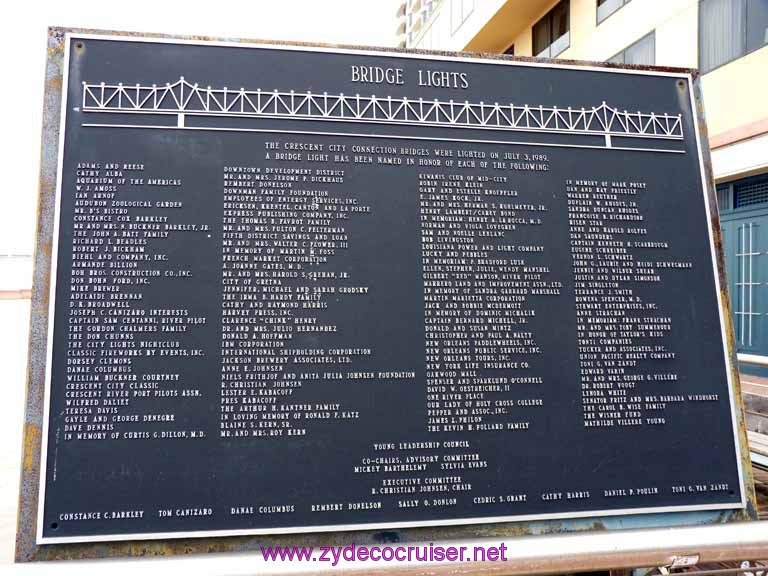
point(30, 544)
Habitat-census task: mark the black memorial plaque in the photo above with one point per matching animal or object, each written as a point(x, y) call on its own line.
point(304, 290)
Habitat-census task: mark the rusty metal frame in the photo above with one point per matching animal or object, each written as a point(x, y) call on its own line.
point(572, 544)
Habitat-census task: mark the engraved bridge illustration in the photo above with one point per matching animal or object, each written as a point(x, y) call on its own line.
point(183, 99)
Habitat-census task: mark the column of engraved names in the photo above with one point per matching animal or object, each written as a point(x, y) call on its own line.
point(284, 233)
point(621, 331)
point(115, 334)
point(480, 284)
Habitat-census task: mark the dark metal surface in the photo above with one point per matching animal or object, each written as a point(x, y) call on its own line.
point(26, 548)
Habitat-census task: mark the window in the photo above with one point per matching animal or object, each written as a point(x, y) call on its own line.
point(744, 193)
point(750, 191)
point(642, 52)
point(757, 24)
point(723, 196)
point(729, 29)
point(460, 11)
point(607, 7)
point(551, 34)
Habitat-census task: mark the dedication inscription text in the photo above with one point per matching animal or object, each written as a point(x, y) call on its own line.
point(316, 290)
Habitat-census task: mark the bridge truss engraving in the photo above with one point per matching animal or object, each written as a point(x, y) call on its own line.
point(183, 99)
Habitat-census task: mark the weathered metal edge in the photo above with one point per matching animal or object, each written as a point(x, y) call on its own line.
point(26, 547)
point(38, 328)
point(725, 303)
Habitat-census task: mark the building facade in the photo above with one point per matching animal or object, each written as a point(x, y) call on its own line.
point(726, 39)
